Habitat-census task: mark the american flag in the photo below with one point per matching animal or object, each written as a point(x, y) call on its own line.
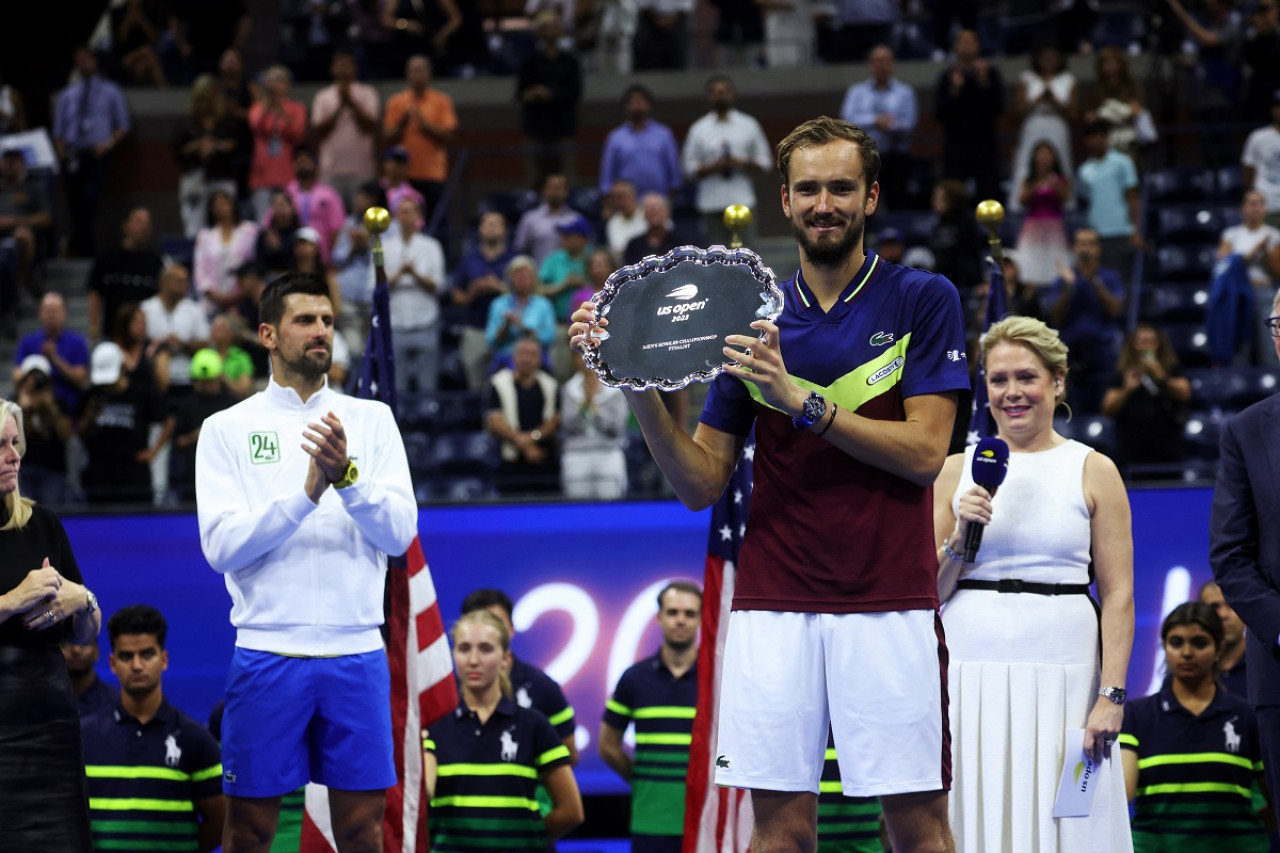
point(718, 819)
point(422, 685)
point(981, 424)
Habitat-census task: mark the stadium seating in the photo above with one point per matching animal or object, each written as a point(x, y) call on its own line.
point(1097, 431)
point(1119, 28)
point(1185, 263)
point(1188, 224)
point(1201, 434)
point(1191, 343)
point(1231, 389)
point(1173, 303)
point(464, 454)
point(1168, 186)
point(441, 412)
point(1230, 182)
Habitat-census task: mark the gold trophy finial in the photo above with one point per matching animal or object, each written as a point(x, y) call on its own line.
point(737, 217)
point(377, 220)
point(990, 214)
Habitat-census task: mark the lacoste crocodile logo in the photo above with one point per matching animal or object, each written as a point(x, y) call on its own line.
point(722, 761)
point(879, 339)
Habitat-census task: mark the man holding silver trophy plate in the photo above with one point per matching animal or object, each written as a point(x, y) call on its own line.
point(834, 621)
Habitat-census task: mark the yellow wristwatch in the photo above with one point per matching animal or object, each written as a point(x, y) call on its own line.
point(349, 476)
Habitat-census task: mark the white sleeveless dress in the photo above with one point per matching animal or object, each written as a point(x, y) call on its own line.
point(1024, 668)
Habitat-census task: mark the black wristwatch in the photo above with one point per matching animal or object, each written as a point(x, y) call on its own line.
point(1115, 694)
point(815, 408)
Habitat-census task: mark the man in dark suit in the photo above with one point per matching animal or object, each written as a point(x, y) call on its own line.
point(1244, 551)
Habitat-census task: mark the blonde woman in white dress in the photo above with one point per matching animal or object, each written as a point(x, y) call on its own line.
point(1021, 629)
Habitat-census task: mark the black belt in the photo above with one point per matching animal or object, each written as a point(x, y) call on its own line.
point(1014, 585)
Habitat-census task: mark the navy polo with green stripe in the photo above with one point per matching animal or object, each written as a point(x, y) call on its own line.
point(1195, 774)
point(845, 824)
point(534, 689)
point(829, 533)
point(662, 707)
point(487, 778)
point(145, 778)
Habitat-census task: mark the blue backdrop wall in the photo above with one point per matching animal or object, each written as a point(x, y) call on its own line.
point(583, 577)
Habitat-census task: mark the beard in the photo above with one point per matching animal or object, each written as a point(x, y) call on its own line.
point(308, 366)
point(829, 253)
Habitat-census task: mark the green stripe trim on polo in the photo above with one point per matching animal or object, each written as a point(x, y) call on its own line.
point(208, 773)
point(617, 707)
point(830, 787)
point(488, 770)
point(492, 824)
point(428, 743)
point(107, 771)
point(138, 844)
point(849, 807)
point(666, 712)
point(655, 757)
point(1193, 788)
point(641, 772)
point(875, 262)
point(1128, 740)
point(851, 391)
point(1195, 758)
point(144, 827)
point(446, 841)
point(1169, 809)
point(139, 804)
point(553, 754)
point(466, 802)
point(561, 716)
point(664, 739)
point(851, 826)
point(830, 754)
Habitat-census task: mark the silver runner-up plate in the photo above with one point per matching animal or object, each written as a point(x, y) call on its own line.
point(669, 315)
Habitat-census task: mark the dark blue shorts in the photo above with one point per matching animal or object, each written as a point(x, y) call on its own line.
point(293, 720)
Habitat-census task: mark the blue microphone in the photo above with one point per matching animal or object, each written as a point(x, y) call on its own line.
point(990, 465)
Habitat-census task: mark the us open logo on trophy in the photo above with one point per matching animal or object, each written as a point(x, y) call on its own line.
point(669, 315)
point(680, 310)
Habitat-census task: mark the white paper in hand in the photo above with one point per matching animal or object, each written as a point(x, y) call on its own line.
point(1079, 778)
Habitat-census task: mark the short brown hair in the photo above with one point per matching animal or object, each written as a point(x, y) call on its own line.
point(680, 586)
point(822, 131)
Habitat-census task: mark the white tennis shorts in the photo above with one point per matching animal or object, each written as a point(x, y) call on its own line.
point(877, 679)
